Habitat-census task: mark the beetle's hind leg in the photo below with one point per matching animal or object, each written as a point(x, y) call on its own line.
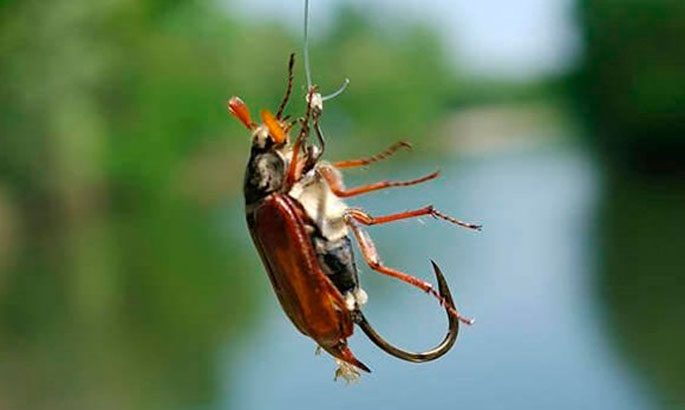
point(417, 357)
point(373, 260)
point(366, 219)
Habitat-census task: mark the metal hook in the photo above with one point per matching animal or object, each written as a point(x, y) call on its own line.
point(428, 355)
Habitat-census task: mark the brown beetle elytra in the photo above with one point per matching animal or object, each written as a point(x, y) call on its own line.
point(301, 229)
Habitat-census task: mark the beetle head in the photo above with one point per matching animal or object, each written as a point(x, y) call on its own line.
point(270, 134)
point(266, 167)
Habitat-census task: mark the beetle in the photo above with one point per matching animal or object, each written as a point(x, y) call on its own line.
point(301, 229)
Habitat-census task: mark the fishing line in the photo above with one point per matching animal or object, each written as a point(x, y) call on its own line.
point(307, 66)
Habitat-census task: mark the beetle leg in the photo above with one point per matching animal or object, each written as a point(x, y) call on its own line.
point(371, 256)
point(289, 124)
point(336, 185)
point(387, 153)
point(295, 168)
point(432, 354)
point(366, 219)
point(289, 88)
point(320, 137)
point(315, 153)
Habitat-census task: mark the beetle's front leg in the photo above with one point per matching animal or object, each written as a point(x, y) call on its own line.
point(387, 153)
point(372, 259)
point(289, 87)
point(295, 168)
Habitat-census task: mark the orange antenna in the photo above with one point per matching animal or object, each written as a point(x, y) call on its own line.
point(239, 109)
point(276, 131)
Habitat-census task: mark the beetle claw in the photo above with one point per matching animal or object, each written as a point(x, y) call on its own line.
point(428, 355)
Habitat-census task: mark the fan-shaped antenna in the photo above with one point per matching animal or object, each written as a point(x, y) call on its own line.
point(307, 66)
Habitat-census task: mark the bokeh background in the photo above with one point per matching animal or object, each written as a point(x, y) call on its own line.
point(127, 277)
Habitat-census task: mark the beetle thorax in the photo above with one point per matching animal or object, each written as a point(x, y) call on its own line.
point(321, 205)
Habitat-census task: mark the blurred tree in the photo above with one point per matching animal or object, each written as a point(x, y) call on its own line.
point(121, 281)
point(641, 279)
point(631, 86)
point(401, 80)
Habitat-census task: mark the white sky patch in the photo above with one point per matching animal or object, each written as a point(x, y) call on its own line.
point(506, 39)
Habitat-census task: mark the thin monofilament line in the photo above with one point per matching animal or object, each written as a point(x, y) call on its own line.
point(307, 69)
point(342, 88)
point(307, 66)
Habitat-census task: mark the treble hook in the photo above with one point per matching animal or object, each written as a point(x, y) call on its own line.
point(428, 355)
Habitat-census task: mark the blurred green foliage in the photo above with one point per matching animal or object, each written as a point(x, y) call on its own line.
point(641, 280)
point(117, 163)
point(632, 83)
point(631, 89)
point(401, 80)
